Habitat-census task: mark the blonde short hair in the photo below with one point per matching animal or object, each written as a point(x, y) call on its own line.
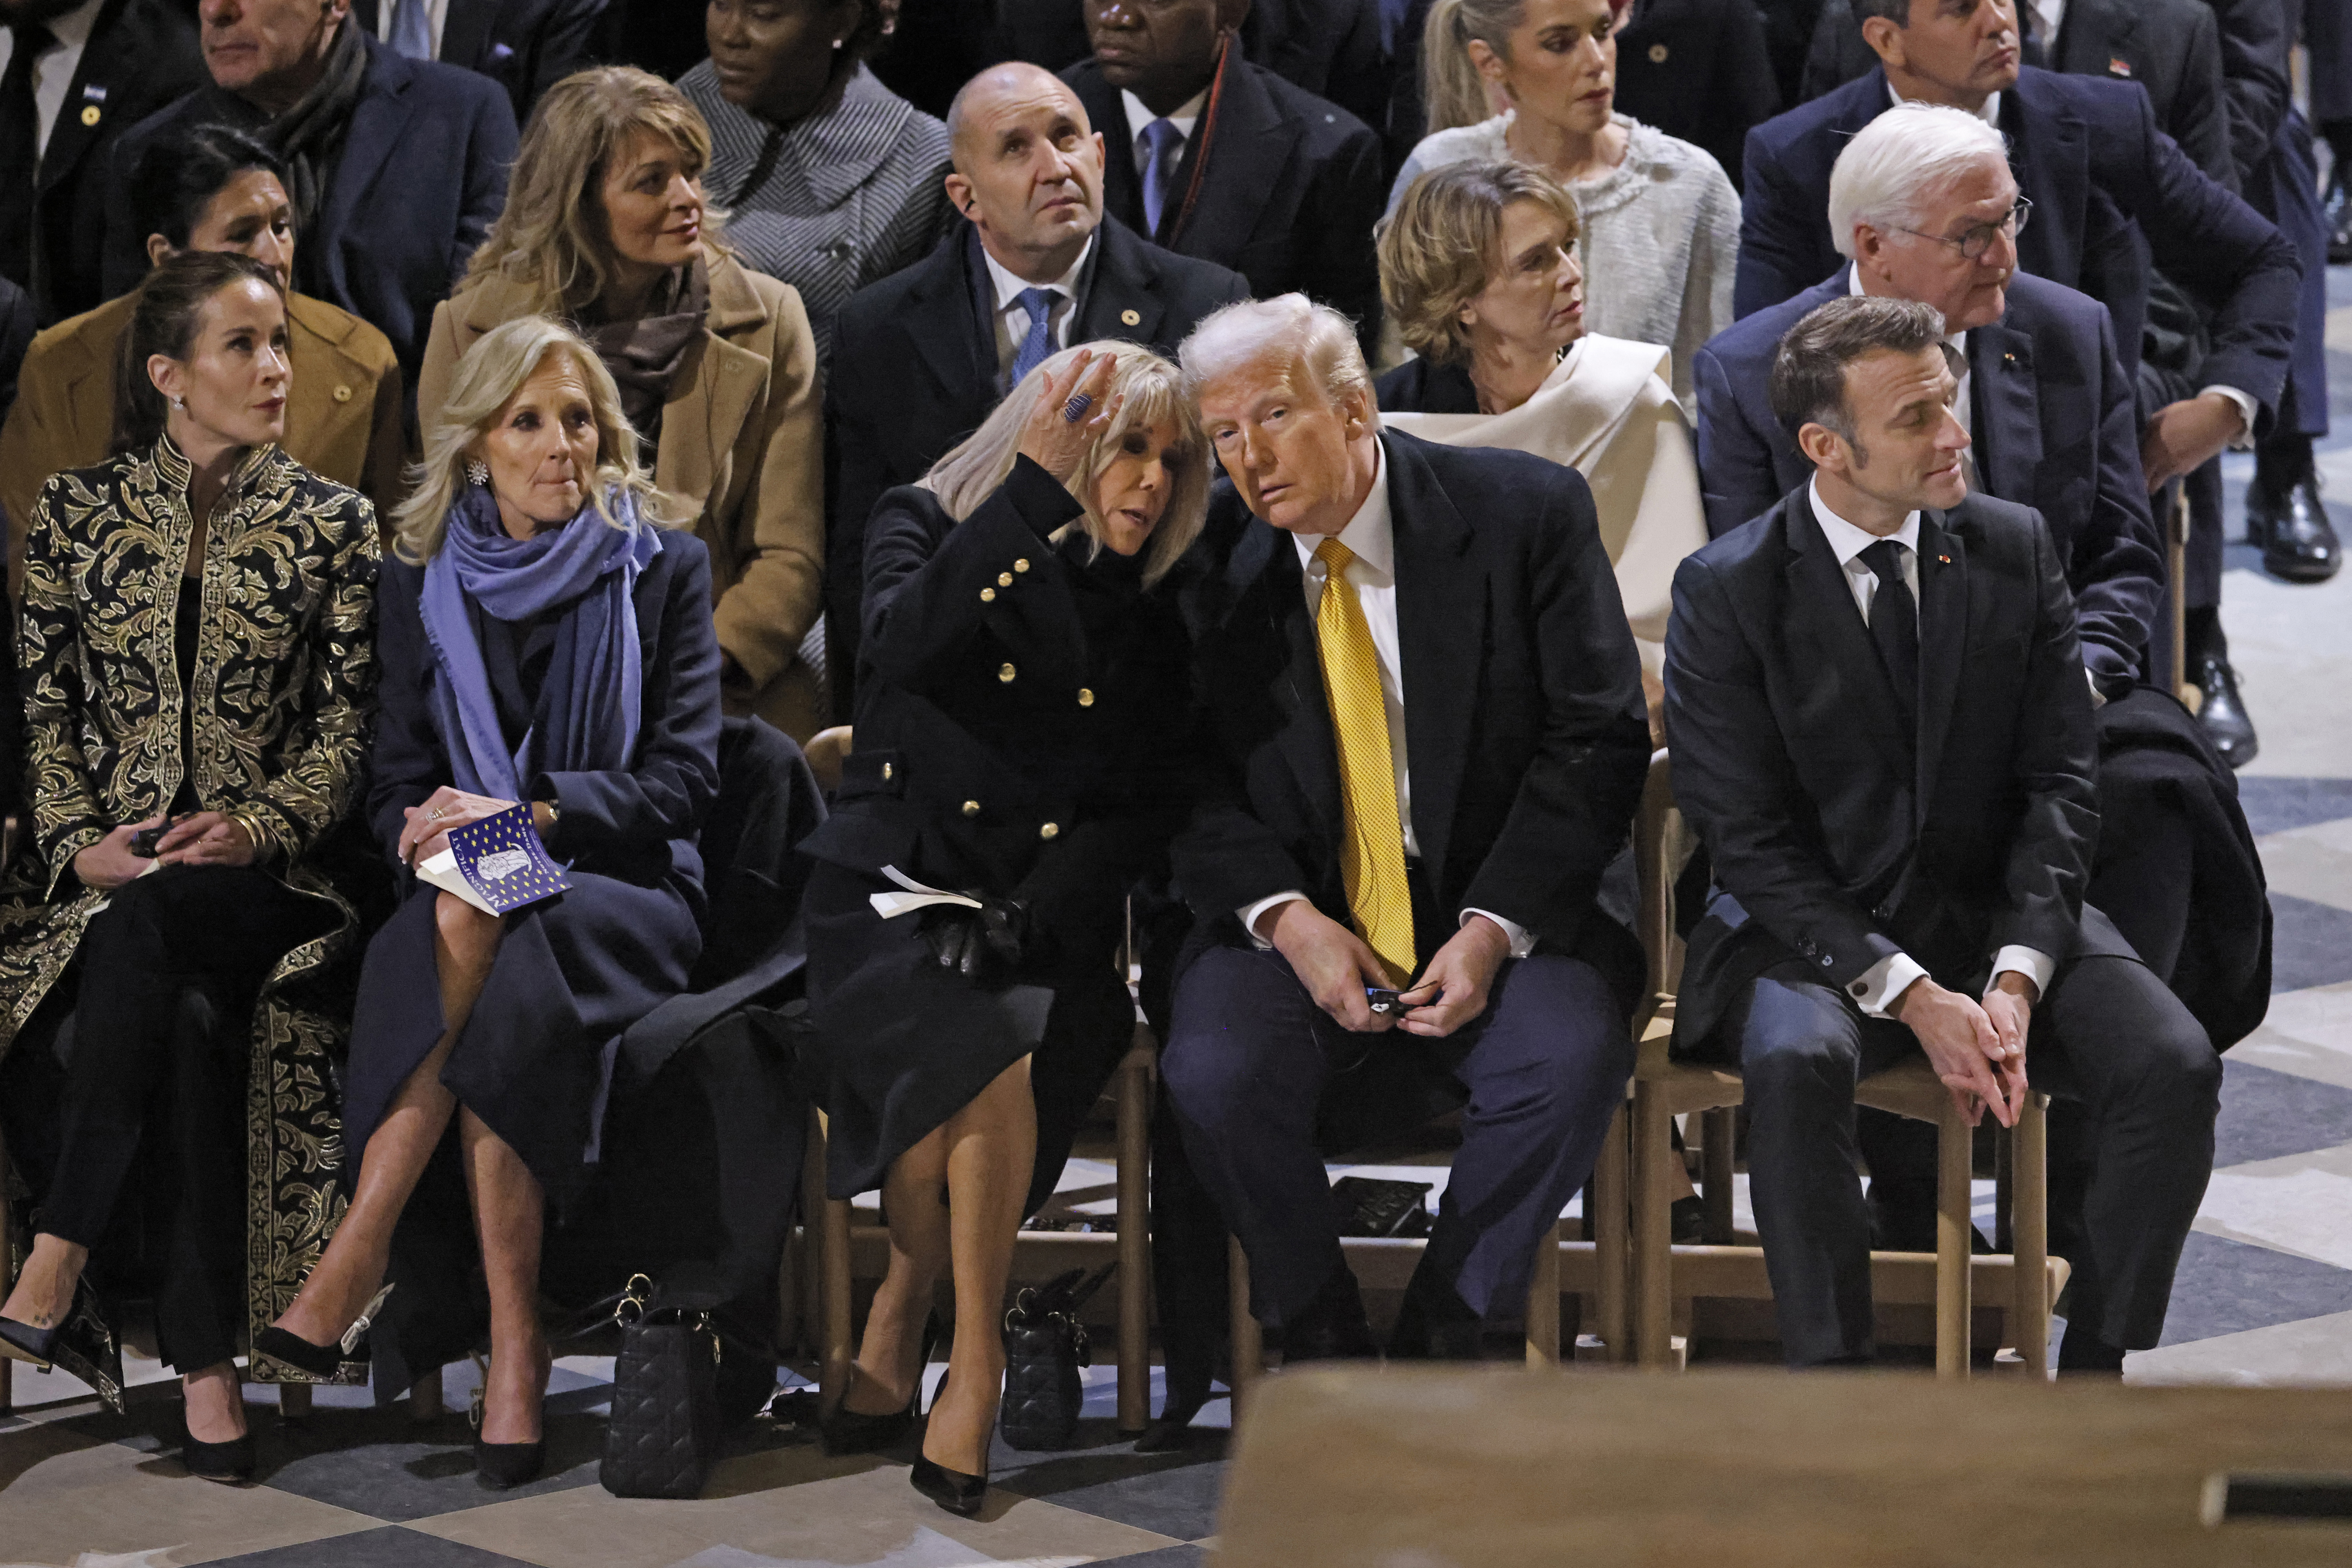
point(1153, 393)
point(552, 237)
point(487, 379)
point(1287, 327)
point(1445, 245)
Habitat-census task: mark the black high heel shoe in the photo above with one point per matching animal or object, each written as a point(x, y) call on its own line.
point(81, 1344)
point(961, 1494)
point(229, 1461)
point(291, 1352)
point(845, 1431)
point(502, 1466)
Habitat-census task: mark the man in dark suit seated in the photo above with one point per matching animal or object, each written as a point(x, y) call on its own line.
point(399, 165)
point(524, 45)
point(1425, 738)
point(920, 358)
point(1881, 733)
point(1697, 69)
point(1212, 156)
point(2043, 390)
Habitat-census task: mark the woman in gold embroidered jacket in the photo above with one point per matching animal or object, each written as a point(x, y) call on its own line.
point(198, 657)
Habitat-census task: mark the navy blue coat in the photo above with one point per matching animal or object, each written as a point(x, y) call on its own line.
point(2100, 174)
point(421, 177)
point(2055, 429)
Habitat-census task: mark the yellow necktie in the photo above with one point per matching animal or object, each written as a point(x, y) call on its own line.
point(1372, 854)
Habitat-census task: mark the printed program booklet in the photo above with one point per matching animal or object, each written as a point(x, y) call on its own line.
point(498, 864)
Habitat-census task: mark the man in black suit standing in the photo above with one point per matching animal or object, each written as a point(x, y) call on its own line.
point(1881, 732)
point(524, 45)
point(74, 75)
point(1426, 740)
point(1212, 156)
point(920, 358)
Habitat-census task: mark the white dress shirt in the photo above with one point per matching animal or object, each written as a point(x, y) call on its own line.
point(1187, 115)
point(53, 71)
point(1013, 318)
point(437, 16)
point(1371, 537)
point(1883, 982)
point(2048, 15)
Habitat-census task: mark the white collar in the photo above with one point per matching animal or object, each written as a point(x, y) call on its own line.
point(1187, 115)
point(1369, 536)
point(71, 30)
point(1846, 540)
point(1009, 285)
point(1989, 114)
point(1959, 340)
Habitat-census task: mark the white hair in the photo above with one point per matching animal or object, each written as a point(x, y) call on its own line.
point(1890, 170)
point(1288, 327)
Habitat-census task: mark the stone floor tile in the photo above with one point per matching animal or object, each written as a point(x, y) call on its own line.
point(2300, 1204)
point(2266, 1115)
point(378, 1461)
point(2313, 862)
point(391, 1547)
point(2314, 1350)
point(2307, 1033)
point(2225, 1287)
point(2283, 805)
point(2311, 943)
point(1191, 1554)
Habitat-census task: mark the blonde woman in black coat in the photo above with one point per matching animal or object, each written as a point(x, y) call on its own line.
point(1022, 697)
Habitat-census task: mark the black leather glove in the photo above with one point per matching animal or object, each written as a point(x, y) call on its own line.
point(981, 945)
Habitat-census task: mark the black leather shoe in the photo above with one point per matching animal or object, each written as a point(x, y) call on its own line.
point(2222, 715)
point(1434, 1324)
point(229, 1461)
point(961, 1494)
point(2298, 541)
point(1333, 1327)
point(316, 1364)
point(845, 1431)
point(502, 1467)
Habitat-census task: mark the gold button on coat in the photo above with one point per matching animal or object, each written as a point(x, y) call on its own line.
point(1050, 831)
point(342, 395)
point(972, 808)
point(1085, 696)
point(887, 769)
point(1021, 564)
point(90, 114)
point(988, 595)
point(1131, 318)
point(1658, 53)
point(1005, 672)
point(1005, 579)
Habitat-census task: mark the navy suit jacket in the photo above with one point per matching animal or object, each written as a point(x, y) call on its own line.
point(421, 177)
point(1525, 732)
point(2101, 176)
point(2055, 429)
point(524, 45)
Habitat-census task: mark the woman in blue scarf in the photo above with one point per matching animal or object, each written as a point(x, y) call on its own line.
point(545, 636)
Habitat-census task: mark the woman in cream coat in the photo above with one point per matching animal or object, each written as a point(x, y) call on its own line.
point(605, 225)
point(1478, 270)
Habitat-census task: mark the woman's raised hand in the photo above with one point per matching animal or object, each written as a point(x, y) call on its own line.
point(1056, 442)
point(428, 833)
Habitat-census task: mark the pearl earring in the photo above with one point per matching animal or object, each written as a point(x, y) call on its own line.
point(477, 471)
point(181, 404)
point(838, 42)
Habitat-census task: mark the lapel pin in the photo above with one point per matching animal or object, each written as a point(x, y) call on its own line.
point(1945, 559)
point(1131, 318)
point(2118, 66)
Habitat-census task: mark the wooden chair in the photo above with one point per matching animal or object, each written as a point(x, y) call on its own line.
point(1664, 1088)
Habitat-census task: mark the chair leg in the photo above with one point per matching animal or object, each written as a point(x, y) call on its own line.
point(7, 1266)
point(1543, 1301)
point(1653, 1260)
point(1720, 1135)
point(831, 1250)
point(1135, 1238)
point(1608, 1224)
point(294, 1401)
point(2029, 1228)
point(1249, 1340)
point(1953, 1230)
point(810, 1283)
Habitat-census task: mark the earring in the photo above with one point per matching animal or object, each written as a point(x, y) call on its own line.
point(477, 471)
point(838, 42)
point(181, 404)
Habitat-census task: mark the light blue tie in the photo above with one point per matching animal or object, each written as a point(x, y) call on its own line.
point(1039, 344)
point(1163, 149)
point(412, 29)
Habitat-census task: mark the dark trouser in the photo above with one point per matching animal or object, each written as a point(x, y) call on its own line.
point(148, 1067)
point(1258, 1076)
point(2108, 1036)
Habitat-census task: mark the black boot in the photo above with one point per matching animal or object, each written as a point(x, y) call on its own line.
point(1333, 1327)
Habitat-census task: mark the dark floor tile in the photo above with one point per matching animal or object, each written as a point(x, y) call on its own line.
point(2279, 806)
point(392, 1547)
point(376, 1461)
point(1186, 1557)
point(2266, 1115)
point(2228, 1287)
point(1171, 1494)
point(2311, 943)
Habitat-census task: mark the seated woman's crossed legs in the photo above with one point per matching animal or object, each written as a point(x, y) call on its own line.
point(508, 1203)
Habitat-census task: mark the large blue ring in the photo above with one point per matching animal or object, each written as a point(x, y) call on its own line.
point(1075, 408)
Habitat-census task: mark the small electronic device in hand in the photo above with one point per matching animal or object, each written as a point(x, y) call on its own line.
point(1382, 1003)
point(144, 842)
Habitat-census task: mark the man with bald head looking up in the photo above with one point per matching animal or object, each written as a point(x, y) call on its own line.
point(921, 357)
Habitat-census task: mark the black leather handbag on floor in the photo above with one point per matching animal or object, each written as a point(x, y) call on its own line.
point(665, 1430)
point(1045, 1346)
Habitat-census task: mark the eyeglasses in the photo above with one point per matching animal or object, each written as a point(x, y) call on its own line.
point(1978, 240)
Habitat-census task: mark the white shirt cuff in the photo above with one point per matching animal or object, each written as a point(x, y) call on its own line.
point(2098, 698)
point(2247, 408)
point(1523, 941)
point(1883, 982)
point(2031, 962)
point(1249, 914)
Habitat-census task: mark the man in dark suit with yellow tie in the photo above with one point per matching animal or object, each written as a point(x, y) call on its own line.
point(1880, 728)
point(1426, 738)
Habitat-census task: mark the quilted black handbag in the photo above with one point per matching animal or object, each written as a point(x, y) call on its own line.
point(1045, 1346)
point(665, 1430)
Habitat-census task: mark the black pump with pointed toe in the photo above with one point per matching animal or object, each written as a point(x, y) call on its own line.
point(229, 1461)
point(953, 1490)
point(845, 1431)
point(316, 1363)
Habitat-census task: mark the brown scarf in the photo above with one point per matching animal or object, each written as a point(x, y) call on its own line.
point(645, 354)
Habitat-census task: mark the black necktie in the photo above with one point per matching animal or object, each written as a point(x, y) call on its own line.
point(19, 161)
point(1894, 626)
